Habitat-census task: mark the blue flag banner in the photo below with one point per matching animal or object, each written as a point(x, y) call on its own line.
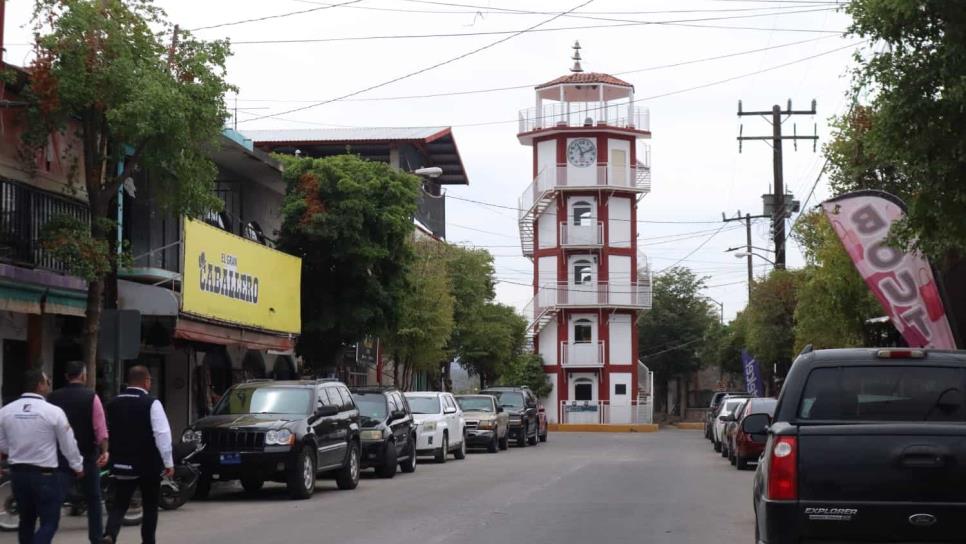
point(753, 382)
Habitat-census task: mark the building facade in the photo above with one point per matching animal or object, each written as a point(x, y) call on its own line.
point(578, 224)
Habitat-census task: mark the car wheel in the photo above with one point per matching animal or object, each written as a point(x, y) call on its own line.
point(348, 476)
point(724, 450)
point(546, 433)
point(460, 452)
point(300, 479)
point(409, 465)
point(443, 452)
point(505, 441)
point(741, 463)
point(388, 467)
point(494, 445)
point(731, 457)
point(532, 440)
point(252, 483)
point(522, 439)
point(717, 446)
point(203, 490)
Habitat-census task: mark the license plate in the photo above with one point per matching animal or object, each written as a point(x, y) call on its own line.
point(230, 458)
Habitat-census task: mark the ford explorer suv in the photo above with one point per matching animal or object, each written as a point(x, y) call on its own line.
point(284, 431)
point(866, 445)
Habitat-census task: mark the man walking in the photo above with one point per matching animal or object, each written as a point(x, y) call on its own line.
point(140, 453)
point(31, 432)
point(86, 416)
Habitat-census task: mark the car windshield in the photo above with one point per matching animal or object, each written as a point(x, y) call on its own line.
point(265, 400)
point(730, 407)
point(372, 407)
point(884, 393)
point(764, 406)
point(509, 399)
point(475, 404)
point(423, 405)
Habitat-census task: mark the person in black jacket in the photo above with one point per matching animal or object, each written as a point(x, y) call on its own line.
point(86, 416)
point(140, 453)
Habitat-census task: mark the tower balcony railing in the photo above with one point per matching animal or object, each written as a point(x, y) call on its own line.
point(585, 114)
point(592, 177)
point(582, 354)
point(585, 235)
point(630, 295)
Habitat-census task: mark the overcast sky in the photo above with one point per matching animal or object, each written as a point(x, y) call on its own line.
point(697, 170)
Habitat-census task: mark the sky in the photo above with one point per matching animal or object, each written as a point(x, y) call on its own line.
point(688, 71)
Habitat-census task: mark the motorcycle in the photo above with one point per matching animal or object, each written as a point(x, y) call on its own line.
point(74, 503)
point(180, 488)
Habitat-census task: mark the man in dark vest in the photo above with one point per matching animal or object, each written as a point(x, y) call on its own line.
point(86, 416)
point(140, 453)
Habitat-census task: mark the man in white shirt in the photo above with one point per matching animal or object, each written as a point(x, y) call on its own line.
point(31, 431)
point(140, 453)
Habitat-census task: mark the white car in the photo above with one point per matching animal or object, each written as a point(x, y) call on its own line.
point(728, 409)
point(440, 427)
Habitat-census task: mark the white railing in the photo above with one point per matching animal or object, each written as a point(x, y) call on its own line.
point(622, 294)
point(582, 354)
point(582, 235)
point(585, 114)
point(592, 177)
point(600, 412)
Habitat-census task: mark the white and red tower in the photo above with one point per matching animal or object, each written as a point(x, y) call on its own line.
point(578, 224)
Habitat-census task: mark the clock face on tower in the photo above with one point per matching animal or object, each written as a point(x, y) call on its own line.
point(582, 152)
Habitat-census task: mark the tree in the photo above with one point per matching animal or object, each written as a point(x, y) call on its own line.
point(672, 332)
point(491, 340)
point(527, 369)
point(140, 102)
point(770, 329)
point(350, 220)
point(471, 276)
point(425, 324)
point(910, 137)
point(833, 299)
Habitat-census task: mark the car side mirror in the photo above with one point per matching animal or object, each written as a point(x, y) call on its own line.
point(326, 410)
point(499, 409)
point(756, 426)
point(541, 409)
point(449, 411)
point(397, 414)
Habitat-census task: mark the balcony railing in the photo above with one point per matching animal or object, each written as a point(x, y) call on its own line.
point(590, 235)
point(585, 114)
point(582, 354)
point(605, 412)
point(24, 210)
point(620, 177)
point(617, 294)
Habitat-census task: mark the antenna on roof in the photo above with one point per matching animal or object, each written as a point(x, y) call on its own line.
point(576, 58)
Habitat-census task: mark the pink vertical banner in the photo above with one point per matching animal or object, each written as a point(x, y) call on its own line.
point(902, 281)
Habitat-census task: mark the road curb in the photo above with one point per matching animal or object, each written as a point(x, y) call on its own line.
point(608, 428)
point(689, 426)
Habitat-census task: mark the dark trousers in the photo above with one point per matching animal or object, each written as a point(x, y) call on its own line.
point(91, 487)
point(39, 495)
point(150, 487)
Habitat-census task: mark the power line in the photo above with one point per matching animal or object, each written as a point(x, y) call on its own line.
point(432, 67)
point(514, 208)
point(695, 250)
point(278, 16)
point(507, 11)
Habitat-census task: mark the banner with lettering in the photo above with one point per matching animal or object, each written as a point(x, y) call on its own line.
point(753, 382)
point(902, 281)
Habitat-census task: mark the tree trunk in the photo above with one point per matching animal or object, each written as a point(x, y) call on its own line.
point(92, 324)
point(447, 378)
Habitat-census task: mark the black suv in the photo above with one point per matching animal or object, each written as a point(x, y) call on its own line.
point(388, 431)
point(521, 405)
point(285, 431)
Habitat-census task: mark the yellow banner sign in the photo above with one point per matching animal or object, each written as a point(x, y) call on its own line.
point(229, 278)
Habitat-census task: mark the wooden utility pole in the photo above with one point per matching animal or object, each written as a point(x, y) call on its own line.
point(780, 211)
point(751, 265)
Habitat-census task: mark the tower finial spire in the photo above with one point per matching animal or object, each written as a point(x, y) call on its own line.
point(576, 58)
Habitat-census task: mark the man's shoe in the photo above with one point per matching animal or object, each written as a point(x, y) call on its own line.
point(107, 540)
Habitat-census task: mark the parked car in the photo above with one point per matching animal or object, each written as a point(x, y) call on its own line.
point(388, 430)
point(728, 406)
point(286, 431)
point(440, 427)
point(730, 425)
point(521, 405)
point(487, 425)
point(866, 445)
point(713, 407)
point(741, 448)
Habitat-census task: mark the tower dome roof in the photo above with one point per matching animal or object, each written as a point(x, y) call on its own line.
point(586, 78)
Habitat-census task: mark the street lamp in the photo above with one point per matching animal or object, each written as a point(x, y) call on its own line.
point(720, 304)
point(743, 254)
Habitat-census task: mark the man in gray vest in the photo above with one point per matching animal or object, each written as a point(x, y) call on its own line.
point(86, 416)
point(140, 453)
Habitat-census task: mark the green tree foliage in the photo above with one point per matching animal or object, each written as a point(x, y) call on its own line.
point(770, 325)
point(909, 136)
point(527, 369)
point(833, 299)
point(350, 220)
point(673, 331)
point(471, 276)
point(109, 68)
point(491, 341)
point(724, 345)
point(425, 322)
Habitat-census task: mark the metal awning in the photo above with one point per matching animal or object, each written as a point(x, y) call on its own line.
point(147, 299)
point(212, 333)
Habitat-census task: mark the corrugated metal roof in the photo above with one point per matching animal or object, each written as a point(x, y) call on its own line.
point(344, 134)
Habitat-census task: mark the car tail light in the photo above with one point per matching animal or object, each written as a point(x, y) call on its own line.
point(900, 354)
point(783, 469)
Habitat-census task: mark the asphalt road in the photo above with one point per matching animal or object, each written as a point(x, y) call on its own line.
point(582, 488)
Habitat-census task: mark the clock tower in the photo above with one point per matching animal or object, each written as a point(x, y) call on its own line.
point(578, 224)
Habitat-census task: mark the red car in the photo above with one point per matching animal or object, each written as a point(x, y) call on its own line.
point(742, 448)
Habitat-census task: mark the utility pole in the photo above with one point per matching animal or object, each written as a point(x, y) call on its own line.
point(747, 219)
point(779, 211)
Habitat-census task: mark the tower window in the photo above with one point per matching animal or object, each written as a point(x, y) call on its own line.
point(583, 273)
point(583, 213)
point(583, 331)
